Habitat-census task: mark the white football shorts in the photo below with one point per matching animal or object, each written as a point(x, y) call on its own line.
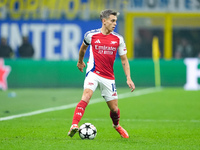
point(107, 86)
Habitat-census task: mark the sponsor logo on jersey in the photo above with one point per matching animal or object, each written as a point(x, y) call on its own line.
point(108, 48)
point(97, 41)
point(113, 42)
point(108, 52)
point(100, 51)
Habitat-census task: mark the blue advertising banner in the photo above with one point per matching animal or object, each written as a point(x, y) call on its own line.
point(51, 39)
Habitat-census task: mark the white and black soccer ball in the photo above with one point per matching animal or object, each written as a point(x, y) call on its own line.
point(87, 131)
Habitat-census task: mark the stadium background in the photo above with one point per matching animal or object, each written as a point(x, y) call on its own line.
point(56, 29)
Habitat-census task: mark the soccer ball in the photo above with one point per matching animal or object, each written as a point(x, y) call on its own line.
point(87, 131)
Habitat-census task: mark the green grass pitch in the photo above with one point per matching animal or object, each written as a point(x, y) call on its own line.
point(163, 120)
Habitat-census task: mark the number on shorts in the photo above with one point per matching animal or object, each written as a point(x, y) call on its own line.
point(113, 87)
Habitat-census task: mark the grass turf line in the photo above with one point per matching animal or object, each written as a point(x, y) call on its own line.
point(97, 100)
point(49, 130)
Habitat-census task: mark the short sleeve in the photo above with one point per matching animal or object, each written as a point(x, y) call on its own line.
point(87, 38)
point(122, 47)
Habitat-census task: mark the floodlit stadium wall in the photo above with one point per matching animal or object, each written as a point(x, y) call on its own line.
point(51, 39)
point(30, 73)
point(165, 20)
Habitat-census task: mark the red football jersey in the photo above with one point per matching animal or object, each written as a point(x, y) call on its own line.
point(103, 49)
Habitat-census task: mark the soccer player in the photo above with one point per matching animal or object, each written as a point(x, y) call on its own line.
point(104, 43)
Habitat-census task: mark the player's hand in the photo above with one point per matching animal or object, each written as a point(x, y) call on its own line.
point(80, 66)
point(130, 84)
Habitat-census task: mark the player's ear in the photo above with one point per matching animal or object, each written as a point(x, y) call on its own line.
point(103, 20)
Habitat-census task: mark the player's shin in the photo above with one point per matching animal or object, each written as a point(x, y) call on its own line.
point(79, 111)
point(115, 117)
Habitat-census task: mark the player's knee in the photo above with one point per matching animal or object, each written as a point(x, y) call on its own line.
point(113, 106)
point(114, 109)
point(87, 97)
point(87, 94)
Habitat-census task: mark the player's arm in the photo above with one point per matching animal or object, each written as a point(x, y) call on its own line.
point(82, 51)
point(126, 68)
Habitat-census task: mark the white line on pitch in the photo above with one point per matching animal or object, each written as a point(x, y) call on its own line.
point(146, 120)
point(93, 101)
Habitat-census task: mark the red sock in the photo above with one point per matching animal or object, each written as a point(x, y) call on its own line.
point(115, 117)
point(79, 111)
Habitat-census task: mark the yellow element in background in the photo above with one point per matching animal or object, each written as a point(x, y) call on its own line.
point(16, 14)
point(156, 56)
point(169, 22)
point(96, 6)
point(70, 13)
point(3, 3)
point(129, 31)
point(155, 49)
point(53, 6)
point(31, 8)
point(34, 8)
point(129, 35)
point(168, 30)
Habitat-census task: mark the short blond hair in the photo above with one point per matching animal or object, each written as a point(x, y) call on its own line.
point(106, 13)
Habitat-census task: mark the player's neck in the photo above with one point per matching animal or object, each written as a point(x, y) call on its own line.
point(105, 31)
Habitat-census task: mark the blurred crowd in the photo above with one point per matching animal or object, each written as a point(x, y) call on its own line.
point(25, 50)
point(186, 43)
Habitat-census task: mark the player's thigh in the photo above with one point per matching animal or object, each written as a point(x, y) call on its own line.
point(90, 81)
point(108, 89)
point(90, 85)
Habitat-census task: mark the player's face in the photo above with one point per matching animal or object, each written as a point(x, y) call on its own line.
point(110, 23)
